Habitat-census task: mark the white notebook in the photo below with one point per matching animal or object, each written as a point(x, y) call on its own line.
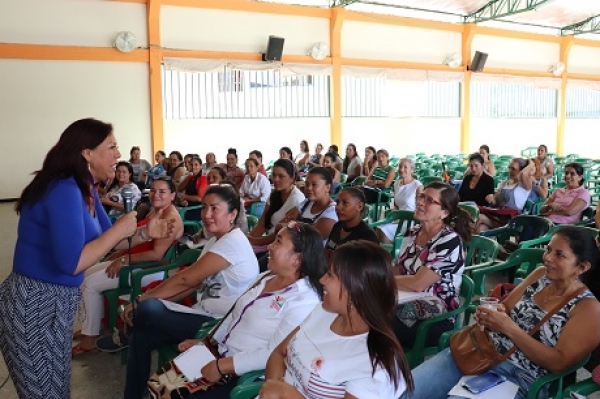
point(407, 296)
point(505, 390)
point(192, 360)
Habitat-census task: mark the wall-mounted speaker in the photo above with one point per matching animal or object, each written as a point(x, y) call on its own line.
point(274, 49)
point(478, 62)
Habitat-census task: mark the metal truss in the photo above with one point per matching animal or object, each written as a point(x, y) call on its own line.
point(590, 25)
point(502, 8)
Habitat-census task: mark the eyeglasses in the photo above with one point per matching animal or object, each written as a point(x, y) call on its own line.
point(428, 200)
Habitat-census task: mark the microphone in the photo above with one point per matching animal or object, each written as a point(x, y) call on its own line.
point(127, 195)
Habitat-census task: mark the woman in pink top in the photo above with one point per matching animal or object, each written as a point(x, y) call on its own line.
point(566, 204)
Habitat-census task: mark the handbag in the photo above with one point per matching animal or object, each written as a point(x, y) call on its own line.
point(474, 351)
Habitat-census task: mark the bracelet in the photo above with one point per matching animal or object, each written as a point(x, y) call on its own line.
point(143, 234)
point(219, 369)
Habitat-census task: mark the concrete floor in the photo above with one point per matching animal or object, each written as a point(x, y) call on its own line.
point(94, 375)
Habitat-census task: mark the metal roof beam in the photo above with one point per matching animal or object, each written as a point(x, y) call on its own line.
point(502, 8)
point(590, 25)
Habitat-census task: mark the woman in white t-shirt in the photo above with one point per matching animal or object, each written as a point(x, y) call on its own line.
point(285, 196)
point(345, 348)
point(255, 186)
point(406, 190)
point(263, 316)
point(223, 272)
point(301, 158)
point(352, 165)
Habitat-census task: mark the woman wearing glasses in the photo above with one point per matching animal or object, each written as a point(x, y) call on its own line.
point(224, 271)
point(510, 198)
point(432, 260)
point(566, 204)
point(262, 317)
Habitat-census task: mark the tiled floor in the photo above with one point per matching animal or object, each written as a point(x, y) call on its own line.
point(95, 375)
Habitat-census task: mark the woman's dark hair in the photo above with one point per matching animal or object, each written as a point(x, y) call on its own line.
point(365, 272)
point(287, 150)
point(544, 147)
point(348, 160)
point(308, 243)
point(331, 156)
point(334, 149)
point(161, 152)
point(323, 172)
point(177, 154)
point(485, 147)
point(276, 197)
point(168, 181)
point(305, 145)
point(384, 152)
point(129, 168)
point(583, 244)
point(522, 162)
point(254, 161)
point(232, 151)
point(229, 194)
point(357, 193)
point(460, 220)
point(476, 157)
point(578, 169)
point(373, 150)
point(134, 148)
point(65, 160)
point(220, 171)
point(257, 153)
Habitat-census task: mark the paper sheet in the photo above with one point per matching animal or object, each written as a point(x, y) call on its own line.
point(176, 307)
point(192, 360)
point(506, 390)
point(407, 296)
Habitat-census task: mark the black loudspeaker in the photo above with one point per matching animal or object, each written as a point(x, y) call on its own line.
point(478, 62)
point(274, 49)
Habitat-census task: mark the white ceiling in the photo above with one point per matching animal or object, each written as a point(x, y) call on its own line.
point(548, 17)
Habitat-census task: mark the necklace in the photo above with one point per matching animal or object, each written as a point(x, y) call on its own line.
point(550, 298)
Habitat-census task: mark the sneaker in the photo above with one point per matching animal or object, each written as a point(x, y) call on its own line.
point(112, 343)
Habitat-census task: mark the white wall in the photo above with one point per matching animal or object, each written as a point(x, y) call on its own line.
point(584, 60)
point(510, 53)
point(266, 135)
point(397, 43)
point(510, 136)
point(70, 22)
point(39, 99)
point(221, 30)
point(581, 137)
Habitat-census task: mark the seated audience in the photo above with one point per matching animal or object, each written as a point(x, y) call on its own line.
point(329, 164)
point(338, 160)
point(566, 204)
point(570, 268)
point(177, 171)
point(370, 162)
point(350, 206)
point(234, 173)
point(316, 158)
point(140, 166)
point(113, 200)
point(105, 275)
point(156, 170)
point(284, 197)
point(382, 177)
point(255, 326)
point(345, 348)
point(210, 162)
point(255, 154)
point(477, 184)
point(193, 186)
point(352, 164)
point(406, 190)
point(223, 272)
point(545, 161)
point(286, 153)
point(301, 158)
point(510, 198)
point(255, 186)
point(432, 259)
point(539, 184)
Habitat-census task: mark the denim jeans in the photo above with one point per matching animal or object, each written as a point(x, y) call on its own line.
point(437, 376)
point(154, 326)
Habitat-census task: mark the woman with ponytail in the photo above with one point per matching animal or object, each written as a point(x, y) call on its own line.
point(345, 348)
point(432, 259)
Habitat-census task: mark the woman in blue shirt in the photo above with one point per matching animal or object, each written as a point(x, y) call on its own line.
point(63, 230)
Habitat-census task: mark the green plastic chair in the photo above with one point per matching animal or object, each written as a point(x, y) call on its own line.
point(429, 179)
point(555, 380)
point(585, 388)
point(405, 221)
point(127, 274)
point(257, 208)
point(480, 251)
point(521, 228)
point(472, 209)
point(189, 224)
point(252, 221)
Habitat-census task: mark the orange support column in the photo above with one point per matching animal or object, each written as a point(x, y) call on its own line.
point(156, 112)
point(465, 92)
point(561, 111)
point(335, 81)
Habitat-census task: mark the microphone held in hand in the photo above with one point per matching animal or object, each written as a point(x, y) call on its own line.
point(127, 195)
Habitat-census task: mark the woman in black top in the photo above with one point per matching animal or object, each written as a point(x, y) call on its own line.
point(477, 184)
point(350, 226)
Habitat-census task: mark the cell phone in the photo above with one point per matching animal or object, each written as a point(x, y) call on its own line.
point(483, 382)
